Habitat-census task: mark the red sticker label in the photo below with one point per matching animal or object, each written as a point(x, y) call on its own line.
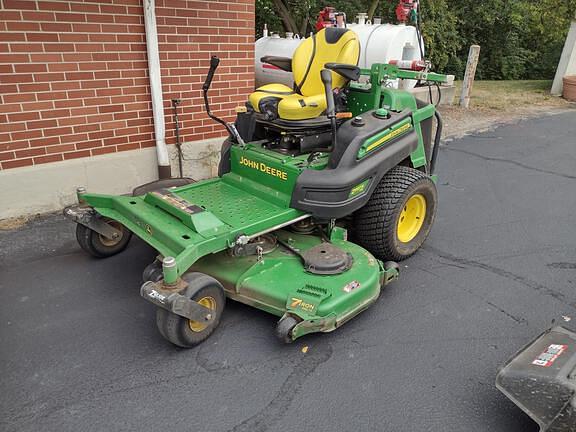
point(349, 287)
point(548, 357)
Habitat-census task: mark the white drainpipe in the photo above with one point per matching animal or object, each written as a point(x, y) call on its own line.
point(156, 88)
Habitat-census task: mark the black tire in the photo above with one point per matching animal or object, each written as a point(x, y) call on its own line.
point(284, 329)
point(224, 166)
point(99, 246)
point(184, 332)
point(153, 272)
point(375, 226)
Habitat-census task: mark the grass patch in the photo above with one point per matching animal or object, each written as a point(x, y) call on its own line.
point(499, 102)
point(506, 95)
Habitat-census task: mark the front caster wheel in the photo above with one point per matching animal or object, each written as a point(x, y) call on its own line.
point(99, 246)
point(153, 272)
point(284, 329)
point(187, 333)
point(391, 265)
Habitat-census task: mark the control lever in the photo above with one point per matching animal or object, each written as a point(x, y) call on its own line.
point(326, 76)
point(214, 62)
point(230, 127)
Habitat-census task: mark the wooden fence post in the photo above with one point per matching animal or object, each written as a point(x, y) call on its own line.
point(473, 56)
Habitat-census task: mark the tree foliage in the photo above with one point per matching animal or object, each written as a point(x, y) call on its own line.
point(519, 39)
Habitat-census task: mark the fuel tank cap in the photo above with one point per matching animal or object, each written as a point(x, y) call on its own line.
point(382, 113)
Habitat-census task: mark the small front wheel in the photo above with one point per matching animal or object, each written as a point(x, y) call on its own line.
point(187, 333)
point(284, 329)
point(99, 246)
point(153, 272)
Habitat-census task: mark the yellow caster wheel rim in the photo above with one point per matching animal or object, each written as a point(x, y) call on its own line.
point(208, 302)
point(411, 218)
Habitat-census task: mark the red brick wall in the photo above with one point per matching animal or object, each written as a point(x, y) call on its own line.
point(73, 74)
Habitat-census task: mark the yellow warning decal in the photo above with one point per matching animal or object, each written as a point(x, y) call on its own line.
point(389, 136)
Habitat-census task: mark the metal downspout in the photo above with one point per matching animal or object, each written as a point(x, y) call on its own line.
point(154, 73)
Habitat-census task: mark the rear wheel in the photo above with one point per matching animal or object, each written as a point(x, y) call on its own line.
point(99, 246)
point(187, 333)
point(398, 216)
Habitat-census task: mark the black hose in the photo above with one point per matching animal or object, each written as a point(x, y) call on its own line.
point(437, 138)
point(439, 94)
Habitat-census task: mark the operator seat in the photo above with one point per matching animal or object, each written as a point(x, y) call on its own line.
point(307, 100)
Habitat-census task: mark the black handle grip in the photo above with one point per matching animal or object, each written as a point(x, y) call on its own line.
point(214, 62)
point(326, 76)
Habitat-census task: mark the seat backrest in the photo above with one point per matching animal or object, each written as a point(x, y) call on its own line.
point(329, 45)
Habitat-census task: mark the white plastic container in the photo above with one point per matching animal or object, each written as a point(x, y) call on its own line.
point(385, 42)
point(275, 46)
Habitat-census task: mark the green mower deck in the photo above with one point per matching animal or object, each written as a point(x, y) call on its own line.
point(277, 283)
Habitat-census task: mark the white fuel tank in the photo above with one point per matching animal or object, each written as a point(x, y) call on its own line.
point(276, 46)
point(379, 43)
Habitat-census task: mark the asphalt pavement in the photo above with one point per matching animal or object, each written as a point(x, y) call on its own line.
point(79, 350)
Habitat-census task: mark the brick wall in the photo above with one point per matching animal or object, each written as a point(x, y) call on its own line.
point(73, 74)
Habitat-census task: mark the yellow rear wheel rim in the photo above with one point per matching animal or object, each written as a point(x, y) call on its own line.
point(208, 302)
point(411, 218)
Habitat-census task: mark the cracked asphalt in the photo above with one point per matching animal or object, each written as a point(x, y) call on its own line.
point(79, 350)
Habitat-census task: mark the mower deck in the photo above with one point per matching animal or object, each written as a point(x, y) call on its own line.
point(276, 282)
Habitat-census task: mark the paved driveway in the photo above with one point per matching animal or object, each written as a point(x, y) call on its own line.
point(80, 351)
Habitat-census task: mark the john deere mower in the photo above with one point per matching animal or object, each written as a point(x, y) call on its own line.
point(322, 188)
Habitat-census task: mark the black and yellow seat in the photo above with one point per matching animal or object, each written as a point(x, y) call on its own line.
point(335, 48)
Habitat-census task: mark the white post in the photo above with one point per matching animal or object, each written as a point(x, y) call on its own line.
point(473, 56)
point(156, 88)
point(567, 64)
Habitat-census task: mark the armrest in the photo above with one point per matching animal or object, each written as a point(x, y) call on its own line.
point(348, 71)
point(283, 63)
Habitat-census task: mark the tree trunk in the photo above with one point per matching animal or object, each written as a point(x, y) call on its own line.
point(372, 9)
point(304, 26)
point(287, 19)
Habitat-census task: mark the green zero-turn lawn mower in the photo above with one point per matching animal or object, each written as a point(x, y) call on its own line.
point(340, 154)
